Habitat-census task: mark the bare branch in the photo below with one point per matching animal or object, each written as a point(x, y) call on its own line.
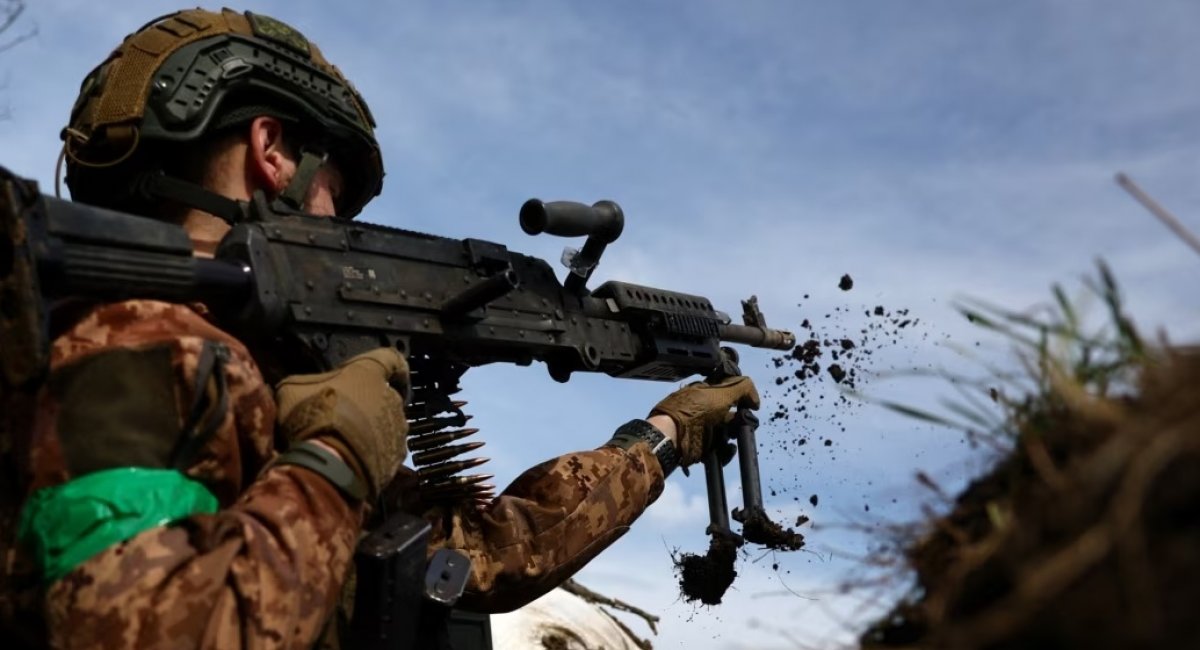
point(10, 12)
point(1157, 210)
point(4, 47)
point(598, 599)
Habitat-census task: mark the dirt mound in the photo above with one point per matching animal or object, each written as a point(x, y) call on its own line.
point(1087, 535)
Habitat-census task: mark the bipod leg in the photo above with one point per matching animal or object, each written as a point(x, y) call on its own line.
point(744, 427)
point(757, 527)
point(718, 504)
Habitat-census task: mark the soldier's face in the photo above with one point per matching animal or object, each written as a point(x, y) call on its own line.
point(252, 161)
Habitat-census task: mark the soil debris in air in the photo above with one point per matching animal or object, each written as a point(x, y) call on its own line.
point(811, 397)
point(814, 391)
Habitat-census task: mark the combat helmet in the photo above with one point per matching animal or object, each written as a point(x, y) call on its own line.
point(187, 75)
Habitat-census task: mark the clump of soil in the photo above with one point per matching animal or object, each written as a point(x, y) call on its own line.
point(707, 577)
point(1084, 536)
point(757, 528)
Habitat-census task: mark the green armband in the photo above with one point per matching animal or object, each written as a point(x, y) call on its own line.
point(67, 524)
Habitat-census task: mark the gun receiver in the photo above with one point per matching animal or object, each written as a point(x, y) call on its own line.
point(334, 288)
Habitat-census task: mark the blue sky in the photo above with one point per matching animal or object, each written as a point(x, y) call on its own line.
point(930, 149)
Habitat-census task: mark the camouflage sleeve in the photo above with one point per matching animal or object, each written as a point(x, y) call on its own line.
point(262, 572)
point(548, 523)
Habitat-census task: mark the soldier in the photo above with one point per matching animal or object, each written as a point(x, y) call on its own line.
point(162, 494)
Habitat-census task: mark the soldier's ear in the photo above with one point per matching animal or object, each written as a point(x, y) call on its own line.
point(270, 165)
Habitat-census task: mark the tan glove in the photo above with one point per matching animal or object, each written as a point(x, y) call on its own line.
point(353, 409)
point(699, 408)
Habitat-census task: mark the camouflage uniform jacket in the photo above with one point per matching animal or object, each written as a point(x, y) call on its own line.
point(265, 570)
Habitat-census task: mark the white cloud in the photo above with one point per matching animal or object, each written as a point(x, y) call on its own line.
point(676, 508)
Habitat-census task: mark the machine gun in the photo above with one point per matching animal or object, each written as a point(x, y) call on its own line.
point(326, 289)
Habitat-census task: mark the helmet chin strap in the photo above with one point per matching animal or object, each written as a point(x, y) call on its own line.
point(291, 199)
point(157, 185)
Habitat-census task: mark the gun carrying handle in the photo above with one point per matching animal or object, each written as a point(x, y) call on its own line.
point(602, 221)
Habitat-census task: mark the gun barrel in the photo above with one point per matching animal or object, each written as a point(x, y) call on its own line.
point(759, 337)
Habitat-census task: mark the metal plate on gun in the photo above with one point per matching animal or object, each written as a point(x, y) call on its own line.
point(447, 576)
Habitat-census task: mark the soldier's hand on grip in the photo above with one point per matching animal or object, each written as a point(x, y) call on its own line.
point(697, 409)
point(353, 409)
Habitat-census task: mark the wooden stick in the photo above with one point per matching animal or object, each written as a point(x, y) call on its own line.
point(597, 599)
point(1157, 210)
